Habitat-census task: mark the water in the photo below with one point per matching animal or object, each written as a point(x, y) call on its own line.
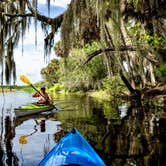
point(38, 129)
point(121, 133)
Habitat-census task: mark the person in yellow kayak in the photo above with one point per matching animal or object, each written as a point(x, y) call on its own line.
point(43, 96)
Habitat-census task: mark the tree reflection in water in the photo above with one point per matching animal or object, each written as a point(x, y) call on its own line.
point(11, 158)
point(137, 140)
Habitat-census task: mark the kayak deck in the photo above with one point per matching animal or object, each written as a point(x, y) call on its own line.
point(32, 108)
point(72, 149)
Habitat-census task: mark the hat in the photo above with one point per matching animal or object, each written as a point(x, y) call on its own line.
point(43, 87)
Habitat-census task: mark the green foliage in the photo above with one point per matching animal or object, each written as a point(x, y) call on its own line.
point(100, 95)
point(154, 40)
point(25, 88)
point(79, 77)
point(161, 70)
point(72, 75)
point(114, 85)
point(134, 28)
point(75, 77)
point(56, 87)
point(91, 47)
point(109, 89)
point(50, 72)
point(94, 71)
point(58, 49)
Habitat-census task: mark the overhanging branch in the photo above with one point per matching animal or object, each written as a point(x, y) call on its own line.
point(45, 19)
point(56, 22)
point(16, 15)
point(97, 52)
point(121, 49)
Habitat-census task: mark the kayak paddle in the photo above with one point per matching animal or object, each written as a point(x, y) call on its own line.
point(24, 79)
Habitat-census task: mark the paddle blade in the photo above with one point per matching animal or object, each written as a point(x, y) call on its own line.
point(24, 79)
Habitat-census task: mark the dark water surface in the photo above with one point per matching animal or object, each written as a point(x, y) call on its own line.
point(122, 134)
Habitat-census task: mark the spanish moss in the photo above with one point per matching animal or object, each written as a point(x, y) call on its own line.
point(15, 19)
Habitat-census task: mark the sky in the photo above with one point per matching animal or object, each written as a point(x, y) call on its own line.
point(31, 61)
point(62, 3)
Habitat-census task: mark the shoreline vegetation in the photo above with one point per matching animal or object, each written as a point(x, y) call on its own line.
point(118, 93)
point(7, 89)
point(15, 88)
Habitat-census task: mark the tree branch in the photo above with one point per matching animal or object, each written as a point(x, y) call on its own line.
point(122, 48)
point(48, 20)
point(34, 13)
point(16, 15)
point(97, 52)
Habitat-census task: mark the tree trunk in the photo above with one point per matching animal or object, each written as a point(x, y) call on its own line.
point(135, 93)
point(152, 77)
point(107, 62)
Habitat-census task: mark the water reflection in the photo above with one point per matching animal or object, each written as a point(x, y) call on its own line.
point(136, 140)
point(11, 158)
point(23, 140)
point(122, 134)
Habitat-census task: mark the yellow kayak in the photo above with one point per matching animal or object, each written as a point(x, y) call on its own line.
point(32, 108)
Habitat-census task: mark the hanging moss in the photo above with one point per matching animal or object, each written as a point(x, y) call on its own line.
point(66, 29)
point(12, 29)
point(79, 25)
point(10, 34)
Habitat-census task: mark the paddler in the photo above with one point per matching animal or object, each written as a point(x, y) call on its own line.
point(43, 96)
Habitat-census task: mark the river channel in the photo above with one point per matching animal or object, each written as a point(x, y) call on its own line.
point(122, 134)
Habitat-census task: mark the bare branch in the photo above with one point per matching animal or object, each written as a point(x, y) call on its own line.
point(97, 52)
point(122, 48)
point(34, 13)
point(43, 18)
point(16, 15)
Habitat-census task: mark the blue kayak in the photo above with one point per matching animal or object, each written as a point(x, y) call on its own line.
point(72, 149)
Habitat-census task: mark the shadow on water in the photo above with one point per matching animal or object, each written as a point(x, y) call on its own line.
point(122, 134)
point(6, 136)
point(138, 139)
